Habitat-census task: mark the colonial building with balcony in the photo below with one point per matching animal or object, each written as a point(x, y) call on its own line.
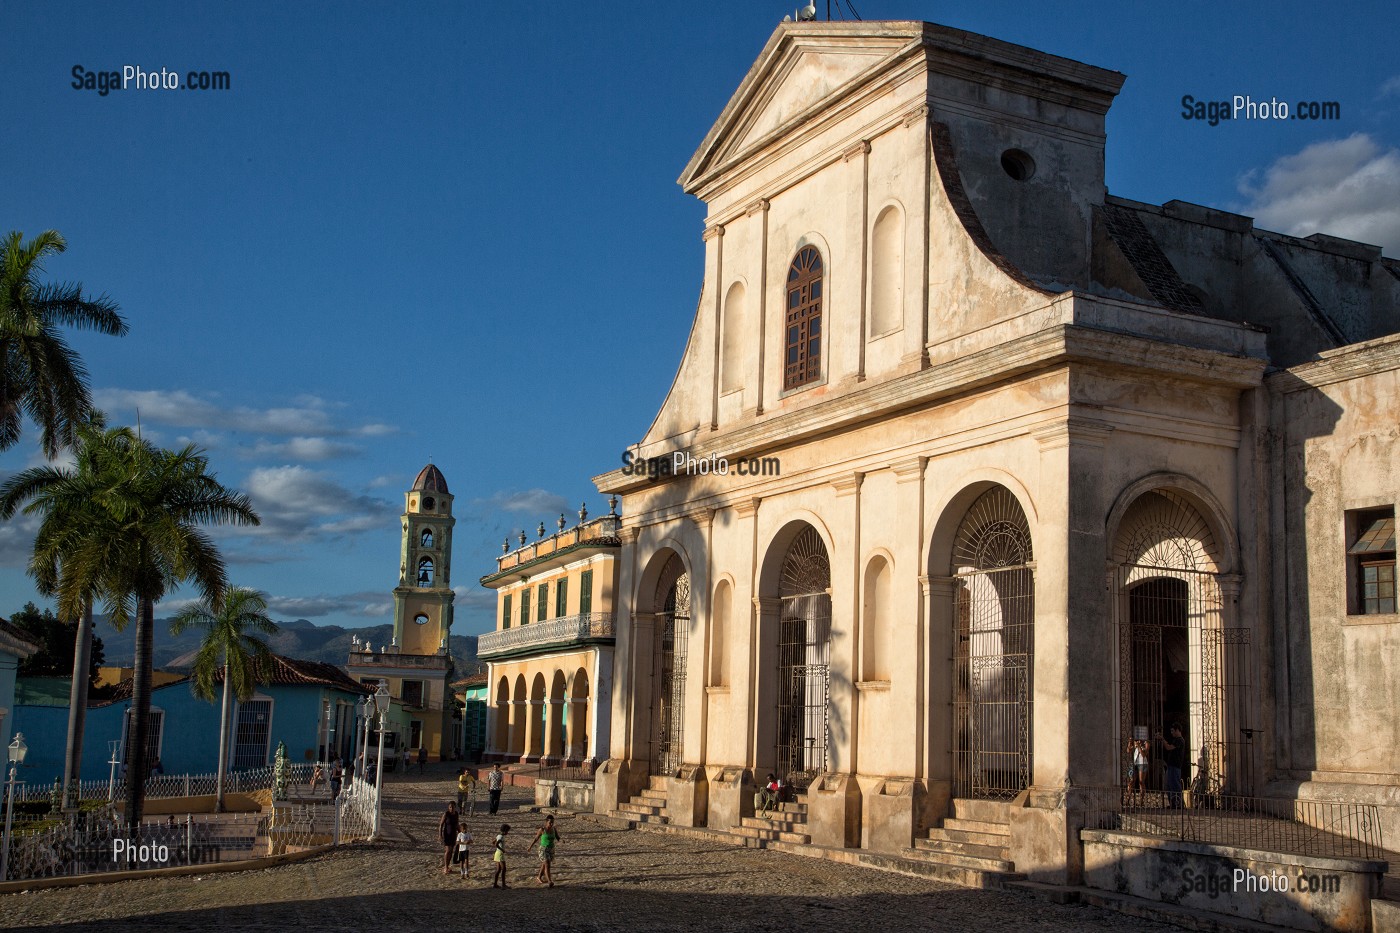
point(418, 663)
point(550, 660)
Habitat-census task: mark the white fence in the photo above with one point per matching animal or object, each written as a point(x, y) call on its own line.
point(175, 785)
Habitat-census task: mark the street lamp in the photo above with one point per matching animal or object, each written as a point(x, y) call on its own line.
point(381, 704)
point(114, 759)
point(366, 710)
point(17, 752)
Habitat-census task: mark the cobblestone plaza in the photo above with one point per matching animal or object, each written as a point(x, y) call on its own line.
point(606, 879)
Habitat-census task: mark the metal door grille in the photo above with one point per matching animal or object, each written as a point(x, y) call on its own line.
point(668, 669)
point(804, 661)
point(1178, 663)
point(155, 720)
point(994, 652)
point(251, 734)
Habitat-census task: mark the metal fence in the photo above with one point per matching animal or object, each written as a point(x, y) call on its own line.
point(174, 785)
point(1320, 828)
point(98, 842)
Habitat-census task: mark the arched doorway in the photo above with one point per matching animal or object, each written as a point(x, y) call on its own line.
point(669, 666)
point(993, 649)
point(1179, 660)
point(804, 660)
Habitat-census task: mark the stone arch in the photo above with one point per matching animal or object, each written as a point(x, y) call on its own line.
point(555, 719)
point(1218, 546)
point(795, 653)
point(992, 595)
point(949, 512)
point(534, 723)
point(519, 712)
point(577, 713)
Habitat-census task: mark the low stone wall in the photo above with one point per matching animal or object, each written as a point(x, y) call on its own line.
point(1291, 891)
point(565, 795)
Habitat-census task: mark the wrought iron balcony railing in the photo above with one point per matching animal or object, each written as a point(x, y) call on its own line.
point(569, 630)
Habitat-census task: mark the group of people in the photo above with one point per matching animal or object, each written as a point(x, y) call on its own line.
point(457, 840)
point(336, 776)
point(1173, 766)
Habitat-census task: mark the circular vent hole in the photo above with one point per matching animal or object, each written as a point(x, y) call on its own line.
point(1018, 164)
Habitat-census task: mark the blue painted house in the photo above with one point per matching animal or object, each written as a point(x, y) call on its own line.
point(14, 648)
point(309, 705)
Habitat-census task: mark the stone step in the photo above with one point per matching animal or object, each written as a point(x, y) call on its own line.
point(661, 818)
point(639, 818)
point(786, 825)
point(984, 811)
point(933, 844)
point(969, 836)
point(651, 794)
point(978, 826)
point(976, 862)
point(641, 809)
point(792, 807)
point(771, 835)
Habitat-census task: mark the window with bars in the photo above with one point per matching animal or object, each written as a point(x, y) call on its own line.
point(505, 612)
point(585, 592)
point(413, 693)
point(561, 598)
point(251, 733)
point(542, 612)
point(155, 726)
point(1372, 554)
point(802, 359)
point(525, 607)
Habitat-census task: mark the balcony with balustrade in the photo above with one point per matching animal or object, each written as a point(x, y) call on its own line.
point(585, 628)
point(600, 532)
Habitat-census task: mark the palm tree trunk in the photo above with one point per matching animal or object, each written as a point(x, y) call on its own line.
point(77, 709)
point(138, 768)
point(223, 743)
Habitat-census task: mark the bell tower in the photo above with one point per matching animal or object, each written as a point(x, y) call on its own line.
point(423, 598)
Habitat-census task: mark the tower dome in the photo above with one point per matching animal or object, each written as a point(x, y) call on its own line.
point(430, 479)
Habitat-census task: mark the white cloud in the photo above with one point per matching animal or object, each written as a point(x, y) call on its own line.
point(306, 424)
point(1344, 187)
point(539, 502)
point(17, 540)
point(1390, 88)
point(297, 503)
point(368, 604)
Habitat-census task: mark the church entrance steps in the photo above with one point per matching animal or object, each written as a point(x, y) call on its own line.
point(786, 827)
point(650, 794)
point(647, 807)
point(977, 836)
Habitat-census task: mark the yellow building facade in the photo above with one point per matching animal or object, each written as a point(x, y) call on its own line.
point(550, 660)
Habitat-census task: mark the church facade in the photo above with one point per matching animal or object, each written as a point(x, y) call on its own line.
point(1051, 470)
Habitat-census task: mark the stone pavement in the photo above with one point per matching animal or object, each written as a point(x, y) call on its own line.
point(606, 879)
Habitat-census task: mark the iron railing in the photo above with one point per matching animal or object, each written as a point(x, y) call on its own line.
point(174, 785)
point(97, 842)
point(1319, 828)
point(569, 630)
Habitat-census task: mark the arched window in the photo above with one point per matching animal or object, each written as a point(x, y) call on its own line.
point(802, 357)
point(427, 539)
point(425, 572)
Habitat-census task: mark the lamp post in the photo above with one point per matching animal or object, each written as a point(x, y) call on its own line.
point(114, 759)
point(366, 711)
point(17, 751)
point(381, 704)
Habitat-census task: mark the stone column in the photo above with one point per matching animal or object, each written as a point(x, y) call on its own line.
point(553, 729)
point(517, 728)
point(534, 745)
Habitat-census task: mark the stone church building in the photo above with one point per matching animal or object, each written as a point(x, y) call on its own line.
point(1044, 470)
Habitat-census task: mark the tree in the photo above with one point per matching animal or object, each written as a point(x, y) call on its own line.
point(228, 651)
point(41, 376)
point(123, 528)
point(55, 640)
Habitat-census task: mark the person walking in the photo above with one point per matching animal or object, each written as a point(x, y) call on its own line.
point(546, 838)
point(448, 828)
point(495, 780)
point(466, 793)
point(499, 857)
point(1175, 760)
point(422, 758)
point(336, 775)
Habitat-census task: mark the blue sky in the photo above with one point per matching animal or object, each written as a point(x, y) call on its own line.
point(452, 231)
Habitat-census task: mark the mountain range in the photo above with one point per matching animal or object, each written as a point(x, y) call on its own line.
point(299, 638)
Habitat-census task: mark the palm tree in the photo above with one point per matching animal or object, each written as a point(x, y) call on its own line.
point(230, 651)
point(40, 374)
point(124, 530)
point(164, 497)
point(70, 501)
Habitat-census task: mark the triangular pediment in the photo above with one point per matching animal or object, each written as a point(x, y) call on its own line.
point(804, 68)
